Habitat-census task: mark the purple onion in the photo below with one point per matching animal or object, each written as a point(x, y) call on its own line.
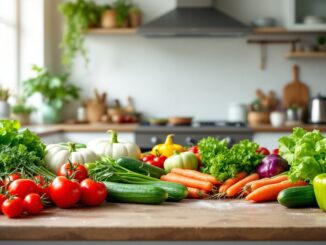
point(272, 165)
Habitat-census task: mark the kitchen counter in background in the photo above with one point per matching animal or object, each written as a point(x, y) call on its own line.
point(189, 220)
point(264, 135)
point(103, 127)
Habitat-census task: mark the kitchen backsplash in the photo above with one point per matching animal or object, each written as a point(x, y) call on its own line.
point(190, 76)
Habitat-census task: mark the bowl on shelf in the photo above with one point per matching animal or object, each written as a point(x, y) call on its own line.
point(180, 121)
point(158, 121)
point(256, 118)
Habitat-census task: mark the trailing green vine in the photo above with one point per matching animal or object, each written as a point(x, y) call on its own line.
point(78, 17)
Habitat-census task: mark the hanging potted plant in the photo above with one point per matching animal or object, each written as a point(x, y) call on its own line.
point(22, 112)
point(55, 91)
point(4, 105)
point(78, 17)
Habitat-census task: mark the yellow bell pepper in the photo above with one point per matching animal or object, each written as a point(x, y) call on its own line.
point(168, 148)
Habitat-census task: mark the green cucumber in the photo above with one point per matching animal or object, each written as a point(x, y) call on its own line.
point(140, 167)
point(176, 192)
point(130, 193)
point(298, 197)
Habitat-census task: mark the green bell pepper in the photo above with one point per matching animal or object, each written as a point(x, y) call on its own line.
point(319, 184)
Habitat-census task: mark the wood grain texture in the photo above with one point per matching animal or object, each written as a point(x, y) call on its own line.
point(188, 220)
point(296, 93)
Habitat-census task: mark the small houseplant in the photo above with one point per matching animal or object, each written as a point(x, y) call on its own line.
point(78, 17)
point(4, 105)
point(135, 16)
point(55, 91)
point(22, 112)
point(122, 8)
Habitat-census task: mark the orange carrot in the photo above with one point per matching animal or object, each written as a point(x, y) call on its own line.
point(266, 181)
point(231, 181)
point(235, 189)
point(189, 182)
point(195, 175)
point(196, 193)
point(270, 192)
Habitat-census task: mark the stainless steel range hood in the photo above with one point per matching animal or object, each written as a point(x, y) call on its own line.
point(190, 19)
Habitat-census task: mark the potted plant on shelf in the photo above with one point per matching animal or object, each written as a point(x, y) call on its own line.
point(78, 17)
point(55, 91)
point(22, 112)
point(108, 18)
point(4, 105)
point(321, 40)
point(135, 16)
point(122, 8)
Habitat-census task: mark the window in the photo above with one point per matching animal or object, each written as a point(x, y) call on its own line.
point(9, 44)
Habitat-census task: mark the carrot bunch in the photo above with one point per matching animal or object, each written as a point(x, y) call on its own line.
point(233, 187)
point(267, 189)
point(197, 183)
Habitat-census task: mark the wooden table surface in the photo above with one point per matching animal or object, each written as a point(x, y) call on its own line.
point(187, 220)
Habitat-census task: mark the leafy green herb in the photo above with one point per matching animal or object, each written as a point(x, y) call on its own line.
point(107, 169)
point(223, 162)
point(122, 8)
point(305, 152)
point(21, 151)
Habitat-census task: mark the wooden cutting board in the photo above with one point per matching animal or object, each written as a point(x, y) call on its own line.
point(296, 93)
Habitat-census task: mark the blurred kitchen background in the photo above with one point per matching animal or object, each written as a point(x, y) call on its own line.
point(215, 76)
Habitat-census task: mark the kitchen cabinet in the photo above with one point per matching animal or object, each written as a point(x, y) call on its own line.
point(297, 10)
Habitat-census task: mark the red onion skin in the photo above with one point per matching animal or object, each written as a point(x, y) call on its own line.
point(272, 165)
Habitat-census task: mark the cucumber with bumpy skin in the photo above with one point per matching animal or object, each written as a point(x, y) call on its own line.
point(298, 197)
point(140, 167)
point(130, 193)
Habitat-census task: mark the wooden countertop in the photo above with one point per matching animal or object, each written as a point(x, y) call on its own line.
point(187, 220)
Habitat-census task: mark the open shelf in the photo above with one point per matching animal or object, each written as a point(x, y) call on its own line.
point(293, 55)
point(109, 31)
point(270, 30)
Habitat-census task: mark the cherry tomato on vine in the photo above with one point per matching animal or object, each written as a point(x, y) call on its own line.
point(33, 204)
point(75, 170)
point(12, 207)
point(263, 150)
point(93, 193)
point(2, 199)
point(11, 178)
point(65, 193)
point(22, 187)
point(147, 158)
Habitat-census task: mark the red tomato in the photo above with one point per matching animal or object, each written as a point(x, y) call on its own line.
point(147, 158)
point(275, 151)
point(194, 149)
point(11, 178)
point(1, 183)
point(12, 207)
point(2, 199)
point(78, 171)
point(263, 150)
point(39, 179)
point(22, 187)
point(93, 193)
point(159, 161)
point(33, 204)
point(44, 191)
point(65, 193)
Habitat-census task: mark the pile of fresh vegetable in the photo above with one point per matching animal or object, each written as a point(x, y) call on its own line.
point(66, 175)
